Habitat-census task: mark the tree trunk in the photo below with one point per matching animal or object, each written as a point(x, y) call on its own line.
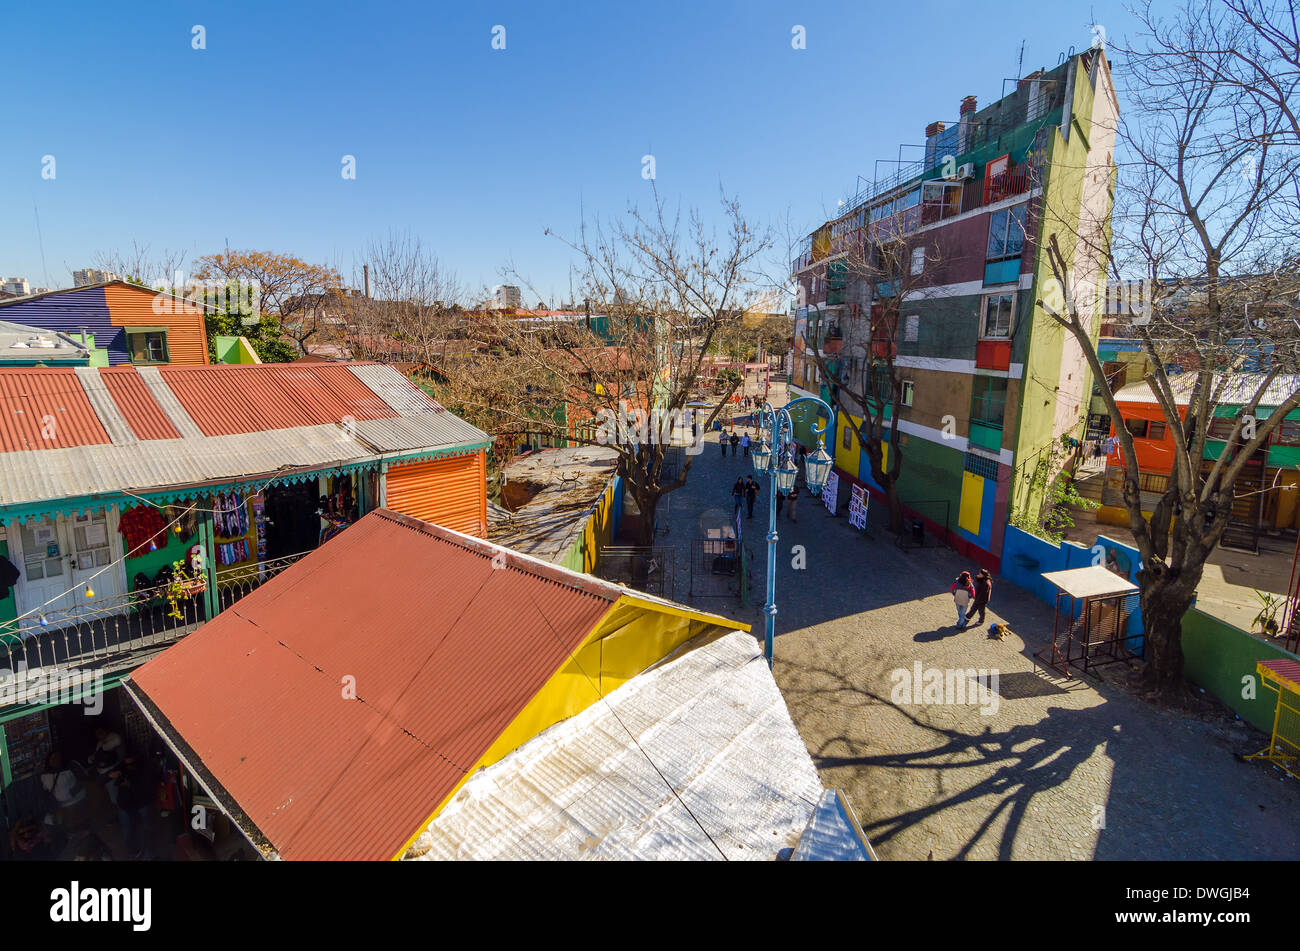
point(895, 505)
point(1164, 602)
point(647, 504)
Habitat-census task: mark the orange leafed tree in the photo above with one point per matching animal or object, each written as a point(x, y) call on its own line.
point(298, 292)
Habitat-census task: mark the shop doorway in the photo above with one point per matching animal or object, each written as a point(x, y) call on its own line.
point(292, 522)
point(61, 559)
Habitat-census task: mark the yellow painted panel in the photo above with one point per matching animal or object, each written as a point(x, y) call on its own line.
point(972, 502)
point(633, 635)
point(847, 459)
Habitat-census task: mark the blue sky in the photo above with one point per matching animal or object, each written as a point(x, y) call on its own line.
point(476, 150)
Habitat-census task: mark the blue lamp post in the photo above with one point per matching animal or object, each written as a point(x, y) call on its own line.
point(781, 474)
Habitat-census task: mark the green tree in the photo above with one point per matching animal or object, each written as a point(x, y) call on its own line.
point(262, 331)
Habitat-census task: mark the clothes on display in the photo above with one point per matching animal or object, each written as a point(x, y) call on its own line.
point(232, 553)
point(144, 529)
point(230, 514)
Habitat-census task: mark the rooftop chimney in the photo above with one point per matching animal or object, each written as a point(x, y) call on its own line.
point(365, 270)
point(967, 105)
point(934, 128)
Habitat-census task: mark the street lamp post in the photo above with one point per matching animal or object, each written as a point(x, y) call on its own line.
point(781, 475)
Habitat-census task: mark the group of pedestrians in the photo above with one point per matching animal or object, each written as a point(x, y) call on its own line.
point(745, 491)
point(734, 441)
point(971, 596)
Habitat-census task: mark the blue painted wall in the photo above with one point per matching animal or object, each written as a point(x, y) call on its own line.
point(68, 313)
point(1026, 557)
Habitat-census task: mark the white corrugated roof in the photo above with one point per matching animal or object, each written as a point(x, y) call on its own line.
point(714, 724)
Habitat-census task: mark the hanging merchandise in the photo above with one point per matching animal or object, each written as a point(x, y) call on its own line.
point(230, 515)
point(145, 529)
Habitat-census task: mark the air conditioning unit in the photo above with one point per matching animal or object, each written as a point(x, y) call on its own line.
point(965, 171)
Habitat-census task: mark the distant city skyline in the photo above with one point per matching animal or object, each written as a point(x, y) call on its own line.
point(405, 131)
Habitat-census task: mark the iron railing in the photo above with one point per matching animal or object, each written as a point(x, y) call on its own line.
point(240, 581)
point(95, 632)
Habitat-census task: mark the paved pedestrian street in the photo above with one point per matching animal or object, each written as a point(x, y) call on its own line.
point(1040, 767)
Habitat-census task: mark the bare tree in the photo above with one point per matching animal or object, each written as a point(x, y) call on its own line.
point(413, 313)
point(661, 288)
point(1199, 227)
point(140, 265)
point(301, 294)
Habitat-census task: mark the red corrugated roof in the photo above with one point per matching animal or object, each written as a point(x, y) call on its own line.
point(136, 404)
point(445, 651)
point(45, 408)
point(228, 400)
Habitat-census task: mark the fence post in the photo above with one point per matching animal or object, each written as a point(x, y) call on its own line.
point(744, 575)
point(207, 538)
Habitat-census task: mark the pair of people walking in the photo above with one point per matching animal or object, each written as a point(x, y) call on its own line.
point(745, 490)
point(971, 596)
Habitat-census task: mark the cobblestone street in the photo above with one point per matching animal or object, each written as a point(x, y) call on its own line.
point(1056, 769)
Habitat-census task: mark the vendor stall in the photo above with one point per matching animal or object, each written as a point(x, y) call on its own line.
point(1091, 627)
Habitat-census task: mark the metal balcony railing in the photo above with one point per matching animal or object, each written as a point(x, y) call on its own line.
point(1015, 181)
point(90, 634)
point(99, 633)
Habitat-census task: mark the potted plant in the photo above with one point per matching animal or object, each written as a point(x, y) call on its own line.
point(184, 584)
point(1265, 621)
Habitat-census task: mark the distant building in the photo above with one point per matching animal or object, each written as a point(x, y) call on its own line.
point(92, 275)
point(17, 286)
point(507, 297)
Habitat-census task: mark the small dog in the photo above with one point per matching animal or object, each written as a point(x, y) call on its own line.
point(1000, 631)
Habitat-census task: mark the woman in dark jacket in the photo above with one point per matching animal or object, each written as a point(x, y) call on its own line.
point(983, 591)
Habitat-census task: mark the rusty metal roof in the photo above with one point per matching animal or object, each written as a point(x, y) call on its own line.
point(45, 408)
point(72, 432)
point(443, 650)
point(229, 400)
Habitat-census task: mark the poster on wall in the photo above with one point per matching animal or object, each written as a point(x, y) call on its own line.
point(858, 507)
point(29, 743)
point(830, 492)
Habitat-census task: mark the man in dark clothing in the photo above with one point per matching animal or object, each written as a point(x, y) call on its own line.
point(735, 441)
point(751, 493)
point(983, 591)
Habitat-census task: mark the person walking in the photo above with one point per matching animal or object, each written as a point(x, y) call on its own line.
point(737, 495)
point(963, 592)
point(735, 441)
point(744, 444)
point(722, 442)
point(794, 501)
point(751, 493)
point(983, 591)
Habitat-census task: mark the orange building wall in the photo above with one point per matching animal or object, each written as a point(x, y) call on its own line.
point(1154, 455)
point(187, 341)
point(451, 492)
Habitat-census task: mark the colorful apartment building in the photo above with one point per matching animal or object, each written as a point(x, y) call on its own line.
point(990, 381)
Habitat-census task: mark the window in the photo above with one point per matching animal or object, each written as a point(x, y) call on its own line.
point(848, 435)
point(996, 321)
point(1136, 427)
point(908, 391)
point(988, 400)
point(1156, 430)
point(147, 344)
point(1287, 433)
point(918, 260)
point(1006, 233)
point(911, 328)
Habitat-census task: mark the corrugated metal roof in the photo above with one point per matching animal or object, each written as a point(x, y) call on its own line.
point(81, 460)
point(45, 409)
point(142, 413)
point(1237, 390)
point(709, 722)
point(225, 400)
point(444, 649)
point(403, 396)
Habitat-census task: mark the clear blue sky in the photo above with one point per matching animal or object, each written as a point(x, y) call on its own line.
point(476, 150)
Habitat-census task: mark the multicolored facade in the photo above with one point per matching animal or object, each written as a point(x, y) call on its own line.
point(990, 380)
point(129, 323)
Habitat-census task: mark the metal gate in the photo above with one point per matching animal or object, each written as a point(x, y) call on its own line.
point(720, 568)
point(643, 567)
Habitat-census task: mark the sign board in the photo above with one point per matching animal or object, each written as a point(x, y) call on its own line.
point(830, 491)
point(858, 507)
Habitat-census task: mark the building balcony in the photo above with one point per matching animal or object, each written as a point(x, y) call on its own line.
point(1015, 181)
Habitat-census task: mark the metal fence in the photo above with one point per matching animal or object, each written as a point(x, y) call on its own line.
point(94, 632)
point(720, 568)
point(242, 580)
point(643, 567)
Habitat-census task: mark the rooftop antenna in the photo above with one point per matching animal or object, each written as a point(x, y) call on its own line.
point(41, 242)
point(1020, 64)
